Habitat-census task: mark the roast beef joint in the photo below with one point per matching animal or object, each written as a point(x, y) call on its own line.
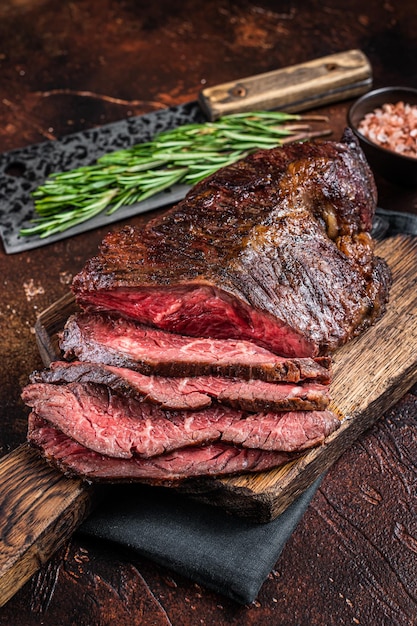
point(203, 342)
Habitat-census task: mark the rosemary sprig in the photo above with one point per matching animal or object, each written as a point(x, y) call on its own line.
point(186, 154)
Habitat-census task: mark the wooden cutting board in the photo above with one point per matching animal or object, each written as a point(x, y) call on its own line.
point(40, 508)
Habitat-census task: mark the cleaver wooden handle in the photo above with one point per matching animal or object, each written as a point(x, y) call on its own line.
point(294, 88)
point(40, 508)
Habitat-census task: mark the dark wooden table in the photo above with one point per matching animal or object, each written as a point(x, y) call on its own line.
point(68, 66)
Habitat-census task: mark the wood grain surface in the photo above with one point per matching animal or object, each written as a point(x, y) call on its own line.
point(39, 510)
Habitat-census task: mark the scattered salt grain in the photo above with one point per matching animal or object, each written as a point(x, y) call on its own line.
point(392, 126)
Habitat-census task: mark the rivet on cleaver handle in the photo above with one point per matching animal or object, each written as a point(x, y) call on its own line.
point(294, 88)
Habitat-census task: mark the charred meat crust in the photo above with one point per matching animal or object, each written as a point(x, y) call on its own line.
point(274, 249)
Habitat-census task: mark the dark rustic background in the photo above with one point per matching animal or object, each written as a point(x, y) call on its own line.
point(68, 66)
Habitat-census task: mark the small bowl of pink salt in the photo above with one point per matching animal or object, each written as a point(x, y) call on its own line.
point(385, 123)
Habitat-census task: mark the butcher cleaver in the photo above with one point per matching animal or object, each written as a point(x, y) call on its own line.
point(293, 89)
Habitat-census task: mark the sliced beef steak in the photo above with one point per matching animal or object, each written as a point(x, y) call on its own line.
point(168, 393)
point(274, 249)
point(123, 427)
point(190, 393)
point(212, 460)
point(100, 338)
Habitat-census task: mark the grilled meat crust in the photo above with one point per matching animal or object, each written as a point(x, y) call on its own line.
point(274, 249)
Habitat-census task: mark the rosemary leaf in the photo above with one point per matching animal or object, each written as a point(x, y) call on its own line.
point(186, 154)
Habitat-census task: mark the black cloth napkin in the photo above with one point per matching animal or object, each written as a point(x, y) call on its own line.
point(226, 553)
point(388, 223)
point(231, 555)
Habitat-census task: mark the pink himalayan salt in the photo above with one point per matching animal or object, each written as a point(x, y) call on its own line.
point(392, 126)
